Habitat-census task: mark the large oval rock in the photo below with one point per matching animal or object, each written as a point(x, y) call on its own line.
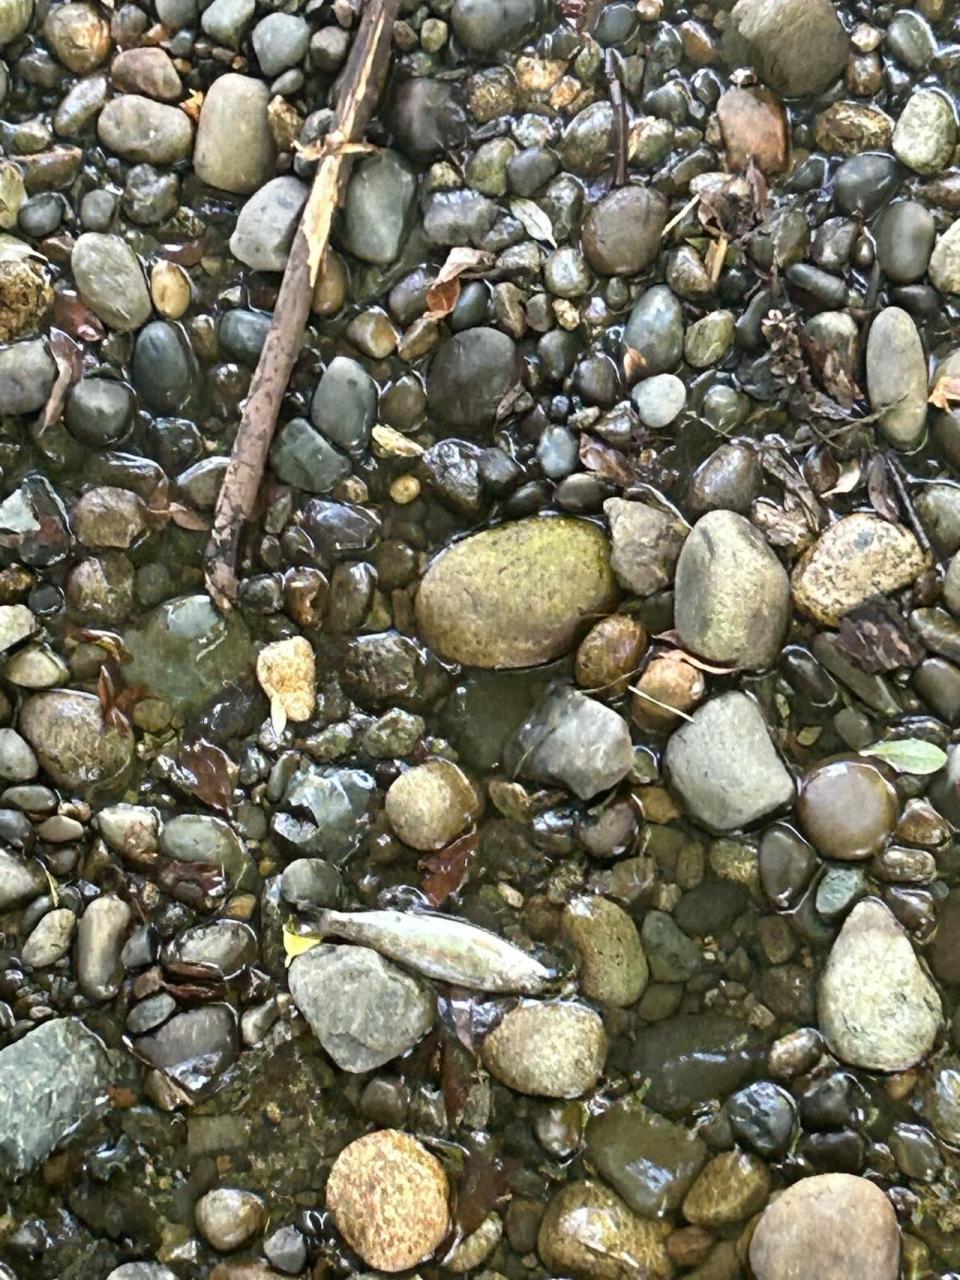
point(234, 145)
point(67, 731)
point(732, 594)
point(828, 1226)
point(877, 1007)
point(488, 26)
point(622, 231)
point(110, 280)
point(897, 377)
point(377, 207)
point(654, 331)
point(798, 46)
point(650, 1161)
point(388, 1197)
point(548, 1050)
point(944, 267)
point(27, 372)
point(267, 224)
point(363, 1010)
point(724, 765)
point(469, 376)
point(140, 129)
point(516, 595)
point(589, 1233)
point(860, 556)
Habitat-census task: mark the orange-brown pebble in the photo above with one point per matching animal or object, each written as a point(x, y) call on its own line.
point(389, 1199)
point(671, 682)
point(609, 654)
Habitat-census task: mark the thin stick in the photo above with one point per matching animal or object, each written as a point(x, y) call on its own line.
point(357, 96)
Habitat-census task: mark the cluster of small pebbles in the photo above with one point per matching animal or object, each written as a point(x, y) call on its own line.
point(602, 592)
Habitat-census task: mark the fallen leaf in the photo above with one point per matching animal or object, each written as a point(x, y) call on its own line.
point(483, 1184)
point(945, 393)
point(192, 105)
point(444, 293)
point(456, 1077)
point(633, 364)
point(909, 755)
point(880, 490)
point(536, 222)
point(113, 717)
point(210, 773)
point(878, 638)
point(69, 362)
point(605, 461)
point(295, 944)
point(447, 869)
point(186, 518)
point(75, 317)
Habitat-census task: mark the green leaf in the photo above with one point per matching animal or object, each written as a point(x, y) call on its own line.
point(909, 755)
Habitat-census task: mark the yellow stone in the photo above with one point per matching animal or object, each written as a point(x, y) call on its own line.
point(287, 673)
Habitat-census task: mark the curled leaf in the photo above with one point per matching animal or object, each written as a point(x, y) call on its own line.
point(945, 393)
point(69, 361)
point(535, 221)
point(447, 869)
point(444, 293)
point(909, 755)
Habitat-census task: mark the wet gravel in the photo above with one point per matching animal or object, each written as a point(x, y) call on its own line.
point(602, 599)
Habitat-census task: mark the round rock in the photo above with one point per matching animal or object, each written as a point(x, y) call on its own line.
point(469, 376)
point(732, 594)
point(860, 556)
point(388, 1198)
point(137, 128)
point(227, 1217)
point(877, 1008)
point(589, 1233)
point(830, 1225)
point(613, 968)
point(548, 1050)
point(516, 595)
point(66, 730)
point(897, 377)
point(431, 804)
point(848, 809)
point(621, 234)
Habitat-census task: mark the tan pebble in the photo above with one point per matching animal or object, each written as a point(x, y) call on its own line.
point(170, 289)
point(405, 489)
point(287, 673)
point(431, 804)
point(388, 1198)
point(667, 682)
point(730, 1188)
point(331, 288)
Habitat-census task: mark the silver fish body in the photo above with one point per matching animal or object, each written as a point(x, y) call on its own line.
point(442, 947)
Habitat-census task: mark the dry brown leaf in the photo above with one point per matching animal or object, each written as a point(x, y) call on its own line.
point(191, 105)
point(447, 869)
point(945, 393)
point(880, 490)
point(69, 361)
point(444, 293)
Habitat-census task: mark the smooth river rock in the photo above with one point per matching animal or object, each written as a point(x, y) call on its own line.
point(877, 1007)
point(826, 1227)
point(897, 377)
point(66, 730)
point(732, 594)
point(797, 46)
point(234, 148)
point(140, 129)
point(57, 1075)
point(860, 556)
point(516, 595)
point(573, 741)
point(549, 1050)
point(724, 765)
point(110, 280)
point(589, 1233)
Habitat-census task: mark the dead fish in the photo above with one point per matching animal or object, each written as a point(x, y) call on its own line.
point(441, 947)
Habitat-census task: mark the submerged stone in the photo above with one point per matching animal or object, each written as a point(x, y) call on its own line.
point(185, 651)
point(516, 595)
point(51, 1081)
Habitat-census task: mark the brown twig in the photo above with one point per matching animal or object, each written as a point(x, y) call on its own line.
point(620, 129)
point(356, 98)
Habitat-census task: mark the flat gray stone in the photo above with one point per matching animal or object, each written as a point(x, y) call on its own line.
point(363, 1009)
point(268, 222)
point(377, 208)
point(50, 1082)
point(724, 765)
point(572, 740)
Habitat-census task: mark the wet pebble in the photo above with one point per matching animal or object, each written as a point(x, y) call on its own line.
point(589, 1233)
point(548, 1050)
point(731, 1187)
point(613, 967)
point(926, 132)
point(877, 1007)
point(227, 1217)
point(647, 1159)
point(234, 149)
point(847, 809)
point(828, 1225)
point(897, 377)
point(732, 593)
point(388, 1197)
